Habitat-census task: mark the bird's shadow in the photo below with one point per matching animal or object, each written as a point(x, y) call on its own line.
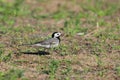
point(37, 53)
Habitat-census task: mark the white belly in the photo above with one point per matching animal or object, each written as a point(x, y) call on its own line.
point(47, 46)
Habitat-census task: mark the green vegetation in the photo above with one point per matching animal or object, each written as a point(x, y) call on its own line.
point(5, 57)
point(12, 75)
point(118, 70)
point(53, 67)
point(90, 41)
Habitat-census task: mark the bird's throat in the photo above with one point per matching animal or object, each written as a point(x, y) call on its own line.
point(58, 38)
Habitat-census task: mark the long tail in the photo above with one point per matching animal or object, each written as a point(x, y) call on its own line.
point(31, 45)
point(25, 45)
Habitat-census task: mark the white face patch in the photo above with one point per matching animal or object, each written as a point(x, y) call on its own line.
point(57, 35)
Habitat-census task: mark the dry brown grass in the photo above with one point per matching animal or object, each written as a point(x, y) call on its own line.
point(92, 56)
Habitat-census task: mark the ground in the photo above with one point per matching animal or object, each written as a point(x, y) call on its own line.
point(90, 41)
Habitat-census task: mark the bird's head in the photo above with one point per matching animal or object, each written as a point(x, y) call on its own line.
point(56, 35)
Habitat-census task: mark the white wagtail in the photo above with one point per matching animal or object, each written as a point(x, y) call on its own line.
point(49, 43)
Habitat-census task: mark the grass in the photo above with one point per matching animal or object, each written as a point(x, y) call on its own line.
point(12, 75)
point(89, 46)
point(4, 57)
point(118, 70)
point(73, 26)
point(11, 10)
point(53, 67)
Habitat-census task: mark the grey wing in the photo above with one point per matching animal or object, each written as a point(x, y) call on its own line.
point(51, 41)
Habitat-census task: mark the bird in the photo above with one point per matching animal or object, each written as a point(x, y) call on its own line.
point(52, 42)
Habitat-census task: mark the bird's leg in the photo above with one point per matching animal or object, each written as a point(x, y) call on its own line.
point(38, 50)
point(54, 49)
point(44, 49)
point(57, 49)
